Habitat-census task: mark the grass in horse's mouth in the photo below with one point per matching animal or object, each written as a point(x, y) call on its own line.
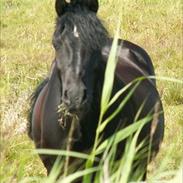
point(64, 114)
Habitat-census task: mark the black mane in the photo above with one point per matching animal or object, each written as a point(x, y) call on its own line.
point(92, 33)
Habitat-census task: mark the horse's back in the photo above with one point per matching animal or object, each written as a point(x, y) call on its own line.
point(132, 54)
point(143, 60)
point(133, 63)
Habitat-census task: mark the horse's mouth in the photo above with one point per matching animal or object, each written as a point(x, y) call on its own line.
point(73, 110)
point(79, 111)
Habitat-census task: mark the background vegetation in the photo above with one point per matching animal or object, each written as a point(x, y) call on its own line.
point(26, 55)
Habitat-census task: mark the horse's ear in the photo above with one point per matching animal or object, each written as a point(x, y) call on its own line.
point(60, 6)
point(91, 4)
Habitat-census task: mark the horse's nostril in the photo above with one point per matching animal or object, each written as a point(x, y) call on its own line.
point(84, 95)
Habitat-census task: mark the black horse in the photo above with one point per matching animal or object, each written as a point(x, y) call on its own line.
point(82, 46)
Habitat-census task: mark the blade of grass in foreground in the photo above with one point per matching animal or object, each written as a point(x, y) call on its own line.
point(64, 153)
point(127, 160)
point(164, 78)
point(109, 74)
point(55, 171)
point(123, 134)
point(78, 174)
point(106, 94)
point(125, 88)
point(32, 179)
point(107, 162)
point(120, 107)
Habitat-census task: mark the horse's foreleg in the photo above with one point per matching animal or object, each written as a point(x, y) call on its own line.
point(48, 162)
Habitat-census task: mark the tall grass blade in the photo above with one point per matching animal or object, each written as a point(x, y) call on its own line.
point(128, 158)
point(109, 73)
point(55, 171)
point(106, 94)
point(122, 104)
point(123, 134)
point(79, 174)
point(64, 153)
point(164, 78)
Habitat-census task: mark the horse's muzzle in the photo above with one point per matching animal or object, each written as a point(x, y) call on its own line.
point(74, 99)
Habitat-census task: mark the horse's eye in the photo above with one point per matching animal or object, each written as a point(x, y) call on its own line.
point(56, 45)
point(56, 40)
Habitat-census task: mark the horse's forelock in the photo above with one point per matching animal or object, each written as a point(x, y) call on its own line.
point(87, 27)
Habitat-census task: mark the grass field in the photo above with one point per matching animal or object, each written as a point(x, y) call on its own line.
point(26, 55)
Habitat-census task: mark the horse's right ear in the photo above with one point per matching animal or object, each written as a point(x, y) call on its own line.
point(91, 4)
point(60, 6)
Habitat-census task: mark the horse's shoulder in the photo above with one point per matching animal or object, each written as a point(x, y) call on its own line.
point(142, 58)
point(132, 59)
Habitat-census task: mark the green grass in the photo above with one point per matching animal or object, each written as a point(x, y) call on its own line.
point(27, 53)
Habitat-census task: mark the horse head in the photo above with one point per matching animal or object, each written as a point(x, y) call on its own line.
point(78, 41)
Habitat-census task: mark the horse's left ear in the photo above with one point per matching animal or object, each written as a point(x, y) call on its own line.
point(61, 5)
point(91, 4)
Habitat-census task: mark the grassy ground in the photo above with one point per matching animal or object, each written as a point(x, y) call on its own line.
point(26, 55)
